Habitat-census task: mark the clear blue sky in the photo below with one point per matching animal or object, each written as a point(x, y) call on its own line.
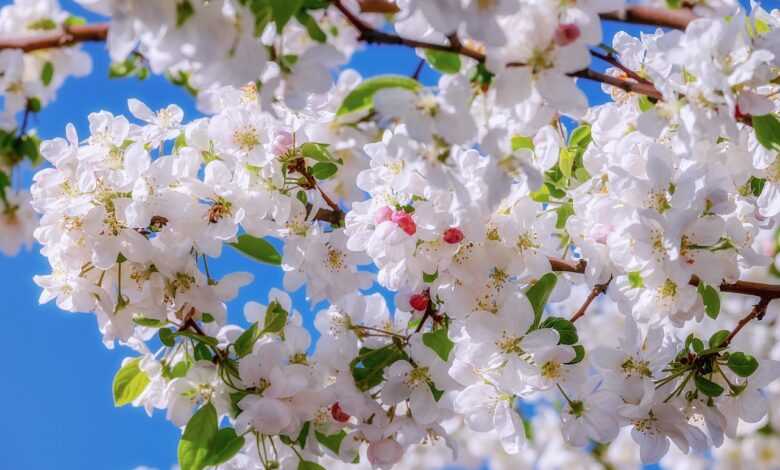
point(57, 374)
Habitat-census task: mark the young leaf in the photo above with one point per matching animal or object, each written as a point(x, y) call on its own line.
point(311, 25)
point(708, 387)
point(149, 322)
point(579, 352)
point(167, 337)
point(195, 444)
point(184, 12)
point(566, 330)
point(711, 299)
point(538, 294)
point(565, 161)
point(443, 61)
point(223, 447)
point(332, 442)
point(323, 170)
point(283, 10)
point(362, 97)
point(742, 364)
point(129, 382)
point(316, 151)
point(307, 465)
point(257, 249)
point(439, 342)
point(246, 341)
point(718, 338)
point(368, 368)
point(47, 73)
point(275, 318)
point(767, 128)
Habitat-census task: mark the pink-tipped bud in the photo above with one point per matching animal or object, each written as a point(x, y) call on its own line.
point(283, 140)
point(383, 215)
point(419, 302)
point(566, 34)
point(405, 221)
point(338, 414)
point(453, 235)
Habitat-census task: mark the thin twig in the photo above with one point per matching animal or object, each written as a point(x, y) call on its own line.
point(69, 36)
point(612, 60)
point(758, 312)
point(597, 290)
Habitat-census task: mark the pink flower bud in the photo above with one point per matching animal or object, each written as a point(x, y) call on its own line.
point(419, 302)
point(382, 215)
point(453, 235)
point(566, 34)
point(283, 140)
point(338, 414)
point(405, 221)
point(385, 452)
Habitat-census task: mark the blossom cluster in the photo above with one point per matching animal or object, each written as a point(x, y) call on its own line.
point(490, 224)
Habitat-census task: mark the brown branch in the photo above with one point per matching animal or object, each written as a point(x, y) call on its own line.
point(373, 36)
point(634, 14)
point(758, 312)
point(612, 60)
point(639, 14)
point(69, 36)
point(597, 290)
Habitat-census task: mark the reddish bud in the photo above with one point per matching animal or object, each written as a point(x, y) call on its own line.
point(419, 302)
point(405, 221)
point(453, 235)
point(382, 215)
point(338, 414)
point(566, 34)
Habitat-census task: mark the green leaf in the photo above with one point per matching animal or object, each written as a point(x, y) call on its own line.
point(566, 329)
point(47, 73)
point(200, 338)
point(443, 61)
point(718, 338)
point(332, 442)
point(439, 342)
point(43, 24)
point(565, 161)
point(580, 137)
point(362, 97)
point(180, 369)
point(697, 344)
point(283, 10)
point(317, 151)
point(579, 352)
point(184, 12)
point(756, 185)
point(195, 443)
point(673, 4)
point(307, 465)
point(311, 25)
point(711, 299)
point(73, 20)
point(244, 343)
point(29, 147)
point(167, 337)
point(34, 105)
point(202, 352)
point(767, 129)
point(257, 249)
point(275, 318)
point(223, 447)
point(522, 142)
point(564, 211)
point(129, 382)
point(149, 322)
point(368, 367)
point(742, 364)
point(323, 171)
point(429, 278)
point(539, 293)
point(707, 387)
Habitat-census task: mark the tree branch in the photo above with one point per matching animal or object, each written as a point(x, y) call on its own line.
point(634, 14)
point(758, 312)
point(69, 36)
point(597, 290)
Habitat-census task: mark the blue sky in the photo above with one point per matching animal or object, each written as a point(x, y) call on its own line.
point(57, 374)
